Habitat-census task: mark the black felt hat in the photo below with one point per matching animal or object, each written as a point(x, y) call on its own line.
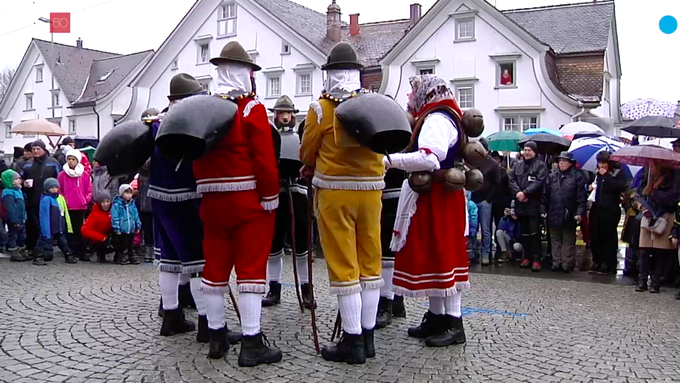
point(284, 104)
point(184, 85)
point(342, 56)
point(234, 52)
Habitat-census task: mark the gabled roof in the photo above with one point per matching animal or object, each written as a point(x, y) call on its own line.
point(70, 65)
point(568, 28)
point(106, 75)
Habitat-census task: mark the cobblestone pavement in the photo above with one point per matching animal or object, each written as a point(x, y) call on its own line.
point(97, 323)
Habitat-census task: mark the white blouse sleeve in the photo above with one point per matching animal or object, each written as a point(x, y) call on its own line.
point(437, 135)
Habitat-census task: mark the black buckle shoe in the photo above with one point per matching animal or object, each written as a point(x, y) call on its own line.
point(398, 308)
point(432, 324)
point(306, 297)
point(254, 351)
point(350, 349)
point(175, 323)
point(454, 333)
point(273, 295)
point(384, 317)
point(219, 344)
point(369, 347)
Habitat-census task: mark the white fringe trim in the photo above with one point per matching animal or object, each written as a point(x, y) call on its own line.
point(388, 263)
point(348, 185)
point(249, 107)
point(406, 209)
point(193, 269)
point(173, 197)
point(215, 290)
point(270, 205)
point(316, 107)
point(341, 290)
point(226, 187)
point(372, 284)
point(442, 293)
point(169, 268)
point(252, 288)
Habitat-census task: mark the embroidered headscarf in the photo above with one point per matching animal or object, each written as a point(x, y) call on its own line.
point(427, 89)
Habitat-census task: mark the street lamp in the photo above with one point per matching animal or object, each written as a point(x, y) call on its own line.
point(46, 20)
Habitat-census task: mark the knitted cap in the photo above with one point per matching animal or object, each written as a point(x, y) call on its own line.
point(74, 153)
point(38, 143)
point(123, 188)
point(103, 196)
point(531, 145)
point(49, 184)
point(67, 141)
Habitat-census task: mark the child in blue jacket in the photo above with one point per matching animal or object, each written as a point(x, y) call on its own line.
point(508, 235)
point(126, 223)
point(473, 224)
point(15, 208)
point(52, 225)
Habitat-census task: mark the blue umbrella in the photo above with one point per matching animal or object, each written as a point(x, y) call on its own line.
point(585, 152)
point(532, 131)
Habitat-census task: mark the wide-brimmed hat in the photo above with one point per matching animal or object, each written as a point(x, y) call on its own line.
point(342, 56)
point(234, 52)
point(566, 156)
point(284, 104)
point(184, 85)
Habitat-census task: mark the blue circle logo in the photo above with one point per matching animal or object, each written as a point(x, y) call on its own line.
point(668, 24)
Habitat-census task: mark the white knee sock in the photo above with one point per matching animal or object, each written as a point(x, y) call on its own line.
point(275, 267)
point(369, 307)
point(214, 309)
point(303, 270)
point(198, 295)
point(184, 279)
point(169, 283)
point(350, 311)
point(251, 307)
point(437, 305)
point(386, 290)
point(453, 304)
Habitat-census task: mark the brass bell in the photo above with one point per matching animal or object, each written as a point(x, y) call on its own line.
point(474, 154)
point(474, 180)
point(454, 180)
point(473, 122)
point(420, 182)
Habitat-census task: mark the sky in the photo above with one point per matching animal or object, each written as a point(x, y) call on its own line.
point(650, 59)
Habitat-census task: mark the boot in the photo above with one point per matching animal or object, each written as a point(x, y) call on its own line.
point(101, 257)
point(350, 349)
point(384, 317)
point(454, 333)
point(17, 256)
point(161, 311)
point(219, 344)
point(121, 259)
point(369, 348)
point(254, 351)
point(175, 323)
point(273, 296)
point(186, 300)
point(655, 285)
point(642, 284)
point(39, 261)
point(132, 258)
point(148, 255)
point(594, 268)
point(306, 297)
point(203, 334)
point(70, 258)
point(398, 308)
point(432, 324)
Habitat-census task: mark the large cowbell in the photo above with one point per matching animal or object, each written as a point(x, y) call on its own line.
point(125, 148)
point(193, 126)
point(375, 121)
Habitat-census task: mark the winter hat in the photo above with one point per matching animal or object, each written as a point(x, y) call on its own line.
point(123, 188)
point(103, 196)
point(531, 145)
point(50, 183)
point(38, 143)
point(27, 147)
point(74, 153)
point(67, 141)
point(18, 152)
point(8, 176)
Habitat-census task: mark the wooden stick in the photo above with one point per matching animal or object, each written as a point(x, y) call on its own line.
point(337, 327)
point(310, 224)
point(294, 246)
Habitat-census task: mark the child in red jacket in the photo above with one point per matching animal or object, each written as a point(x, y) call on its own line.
point(97, 228)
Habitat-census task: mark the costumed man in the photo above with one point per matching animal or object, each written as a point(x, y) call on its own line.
point(429, 234)
point(178, 231)
point(290, 180)
point(239, 181)
point(348, 180)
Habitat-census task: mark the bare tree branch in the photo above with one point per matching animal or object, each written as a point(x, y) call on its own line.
point(6, 76)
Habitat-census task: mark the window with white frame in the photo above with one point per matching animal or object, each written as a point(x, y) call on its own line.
point(304, 84)
point(38, 74)
point(465, 29)
point(273, 86)
point(55, 96)
point(29, 101)
point(465, 94)
point(205, 83)
point(8, 129)
point(226, 20)
point(285, 48)
point(203, 52)
point(607, 87)
point(520, 123)
point(428, 70)
point(72, 126)
point(175, 64)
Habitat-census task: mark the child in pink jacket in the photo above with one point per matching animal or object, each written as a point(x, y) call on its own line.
point(76, 187)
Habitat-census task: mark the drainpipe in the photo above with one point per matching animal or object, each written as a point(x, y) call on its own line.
point(579, 114)
point(94, 109)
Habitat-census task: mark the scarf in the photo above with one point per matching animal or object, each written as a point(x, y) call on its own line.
point(426, 91)
point(347, 80)
point(74, 173)
point(233, 78)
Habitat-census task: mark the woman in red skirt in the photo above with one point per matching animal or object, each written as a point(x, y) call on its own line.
point(429, 233)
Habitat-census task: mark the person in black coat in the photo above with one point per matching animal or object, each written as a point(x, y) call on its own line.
point(526, 184)
point(605, 214)
point(564, 205)
point(484, 198)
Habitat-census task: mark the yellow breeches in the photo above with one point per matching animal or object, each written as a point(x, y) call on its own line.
point(349, 230)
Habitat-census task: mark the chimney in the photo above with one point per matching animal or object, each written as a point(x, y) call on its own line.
point(354, 24)
point(416, 12)
point(333, 26)
point(79, 43)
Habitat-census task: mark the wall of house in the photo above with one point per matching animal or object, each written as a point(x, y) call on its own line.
point(611, 103)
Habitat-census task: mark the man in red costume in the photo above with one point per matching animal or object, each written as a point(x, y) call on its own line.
point(429, 233)
point(240, 185)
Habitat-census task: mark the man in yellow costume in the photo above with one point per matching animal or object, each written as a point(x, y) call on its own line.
point(349, 182)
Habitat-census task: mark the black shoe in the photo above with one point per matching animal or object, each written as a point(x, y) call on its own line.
point(432, 324)
point(369, 348)
point(203, 334)
point(254, 352)
point(556, 268)
point(567, 269)
point(39, 261)
point(175, 323)
point(133, 259)
point(398, 308)
point(17, 256)
point(594, 268)
point(384, 317)
point(273, 296)
point(84, 258)
point(642, 284)
point(655, 285)
point(219, 344)
point(604, 270)
point(454, 334)
point(306, 297)
point(71, 259)
point(161, 311)
point(186, 300)
point(121, 259)
point(350, 349)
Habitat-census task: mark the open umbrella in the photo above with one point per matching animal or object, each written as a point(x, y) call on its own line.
point(643, 107)
point(39, 127)
point(579, 127)
point(662, 142)
point(547, 143)
point(585, 153)
point(654, 126)
point(505, 141)
point(644, 155)
point(532, 131)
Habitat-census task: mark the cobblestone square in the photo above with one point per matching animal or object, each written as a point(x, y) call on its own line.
point(98, 323)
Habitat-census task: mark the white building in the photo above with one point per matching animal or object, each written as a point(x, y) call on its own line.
point(90, 90)
point(562, 62)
